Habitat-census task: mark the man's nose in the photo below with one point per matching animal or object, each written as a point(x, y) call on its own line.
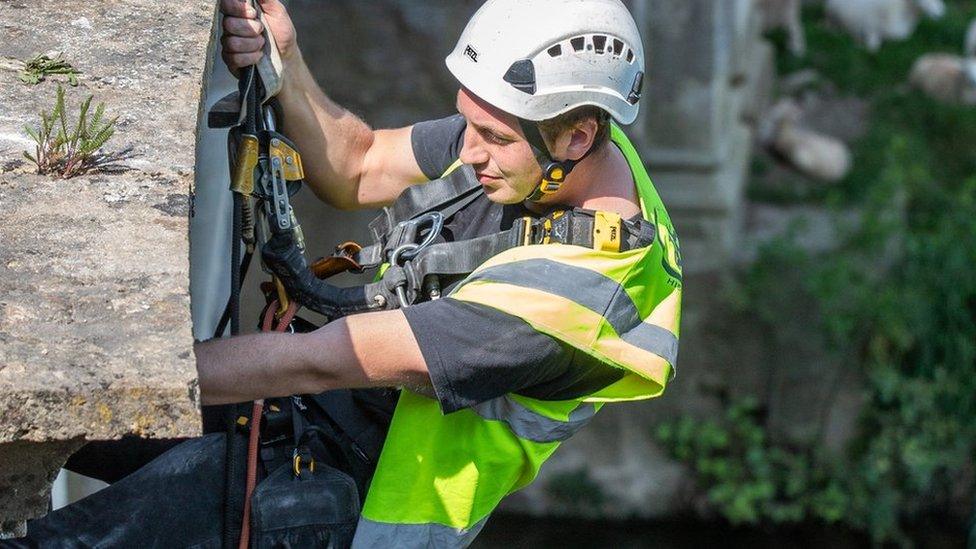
point(472, 152)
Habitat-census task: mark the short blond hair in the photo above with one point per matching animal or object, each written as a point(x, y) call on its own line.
point(553, 127)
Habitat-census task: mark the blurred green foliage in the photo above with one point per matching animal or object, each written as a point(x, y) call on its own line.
point(749, 480)
point(854, 69)
point(896, 301)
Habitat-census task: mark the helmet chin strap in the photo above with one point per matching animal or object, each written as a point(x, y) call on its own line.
point(554, 172)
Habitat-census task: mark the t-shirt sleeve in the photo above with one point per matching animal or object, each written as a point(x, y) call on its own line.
point(476, 353)
point(437, 144)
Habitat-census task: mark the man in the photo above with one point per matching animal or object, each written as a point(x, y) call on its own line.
point(514, 358)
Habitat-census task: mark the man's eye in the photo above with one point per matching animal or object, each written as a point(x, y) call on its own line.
point(496, 139)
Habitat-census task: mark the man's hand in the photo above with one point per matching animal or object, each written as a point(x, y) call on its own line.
point(242, 38)
point(347, 164)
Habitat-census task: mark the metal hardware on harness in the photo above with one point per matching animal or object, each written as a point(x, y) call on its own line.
point(278, 207)
point(242, 180)
point(409, 229)
point(296, 463)
point(409, 251)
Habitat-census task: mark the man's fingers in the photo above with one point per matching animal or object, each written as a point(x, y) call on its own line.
point(238, 8)
point(241, 59)
point(272, 6)
point(247, 28)
point(238, 44)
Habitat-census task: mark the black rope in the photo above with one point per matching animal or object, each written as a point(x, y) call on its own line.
point(225, 318)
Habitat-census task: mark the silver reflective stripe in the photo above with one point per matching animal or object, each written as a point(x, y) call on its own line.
point(658, 340)
point(383, 535)
point(590, 289)
point(531, 425)
point(598, 293)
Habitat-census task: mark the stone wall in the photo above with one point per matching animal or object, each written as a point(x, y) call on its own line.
point(95, 336)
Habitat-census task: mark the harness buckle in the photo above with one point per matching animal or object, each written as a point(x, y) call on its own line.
point(297, 460)
point(607, 231)
point(541, 231)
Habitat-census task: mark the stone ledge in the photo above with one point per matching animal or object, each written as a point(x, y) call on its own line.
point(95, 326)
point(94, 313)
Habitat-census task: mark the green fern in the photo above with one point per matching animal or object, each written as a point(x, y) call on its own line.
point(40, 67)
point(65, 149)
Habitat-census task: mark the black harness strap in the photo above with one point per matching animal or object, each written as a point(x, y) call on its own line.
point(447, 195)
point(573, 228)
point(421, 275)
point(408, 222)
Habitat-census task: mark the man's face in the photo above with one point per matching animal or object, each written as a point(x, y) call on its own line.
point(495, 148)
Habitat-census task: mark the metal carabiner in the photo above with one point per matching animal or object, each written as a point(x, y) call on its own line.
point(410, 250)
point(396, 259)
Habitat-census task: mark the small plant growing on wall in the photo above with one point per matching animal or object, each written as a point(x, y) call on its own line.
point(67, 149)
point(36, 70)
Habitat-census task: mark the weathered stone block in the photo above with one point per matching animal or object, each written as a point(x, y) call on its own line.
point(95, 336)
point(689, 49)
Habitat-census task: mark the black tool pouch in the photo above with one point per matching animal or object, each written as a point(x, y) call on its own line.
point(317, 508)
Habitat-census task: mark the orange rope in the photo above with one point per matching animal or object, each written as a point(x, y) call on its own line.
point(268, 325)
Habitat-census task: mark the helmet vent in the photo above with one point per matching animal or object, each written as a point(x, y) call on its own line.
point(521, 75)
point(618, 47)
point(597, 43)
point(600, 43)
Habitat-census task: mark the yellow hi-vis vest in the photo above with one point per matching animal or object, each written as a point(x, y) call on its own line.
point(440, 476)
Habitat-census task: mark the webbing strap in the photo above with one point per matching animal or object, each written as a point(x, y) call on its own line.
point(457, 258)
point(576, 227)
point(341, 408)
point(449, 194)
point(375, 254)
point(572, 228)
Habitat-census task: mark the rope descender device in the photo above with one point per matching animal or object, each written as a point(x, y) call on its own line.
point(266, 167)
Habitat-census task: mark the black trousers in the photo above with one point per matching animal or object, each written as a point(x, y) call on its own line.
point(177, 499)
point(174, 501)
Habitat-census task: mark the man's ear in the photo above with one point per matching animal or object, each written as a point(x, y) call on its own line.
point(580, 138)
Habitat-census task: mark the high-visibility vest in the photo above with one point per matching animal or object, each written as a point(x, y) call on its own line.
point(440, 476)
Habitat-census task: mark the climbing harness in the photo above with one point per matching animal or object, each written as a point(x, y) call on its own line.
point(415, 264)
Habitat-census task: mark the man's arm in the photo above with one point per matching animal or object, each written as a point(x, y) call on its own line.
point(347, 164)
point(368, 350)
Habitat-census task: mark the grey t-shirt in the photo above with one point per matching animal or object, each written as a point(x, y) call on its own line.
point(476, 353)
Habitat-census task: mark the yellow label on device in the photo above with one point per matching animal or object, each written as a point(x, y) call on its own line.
point(606, 232)
point(291, 161)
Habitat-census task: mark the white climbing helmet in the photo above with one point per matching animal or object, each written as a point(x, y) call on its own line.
point(538, 59)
